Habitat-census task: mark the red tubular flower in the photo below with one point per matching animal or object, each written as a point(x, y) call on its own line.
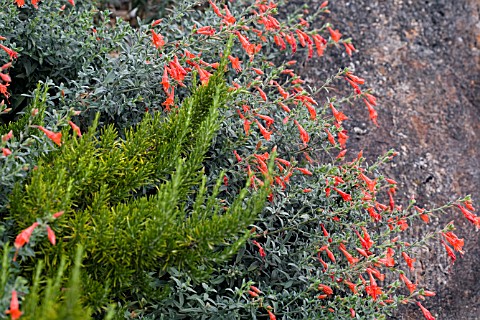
point(331, 139)
point(376, 273)
point(367, 241)
point(6, 152)
point(262, 93)
point(371, 99)
point(320, 44)
point(342, 138)
point(304, 171)
point(351, 286)
point(204, 75)
point(388, 261)
point(284, 162)
point(75, 128)
point(352, 260)
point(14, 310)
point(373, 113)
point(54, 136)
point(335, 34)
point(339, 116)
point(253, 294)
point(411, 287)
point(5, 77)
point(207, 31)
point(10, 52)
point(282, 92)
point(58, 214)
point(352, 313)
point(370, 183)
point(456, 243)
point(311, 110)
point(228, 18)
point(215, 9)
point(235, 63)
point(165, 80)
point(271, 315)
point(330, 254)
point(51, 235)
point(342, 153)
point(260, 249)
point(263, 131)
point(373, 290)
point(349, 48)
point(344, 195)
point(291, 41)
point(24, 236)
point(20, 3)
point(157, 39)
point(470, 216)
point(280, 42)
point(326, 289)
point(425, 312)
point(156, 22)
point(355, 79)
point(246, 45)
point(246, 126)
point(303, 134)
point(255, 289)
point(408, 260)
point(468, 205)
point(268, 120)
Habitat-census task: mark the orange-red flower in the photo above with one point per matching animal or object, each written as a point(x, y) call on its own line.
point(411, 287)
point(6, 152)
point(14, 310)
point(157, 39)
point(290, 38)
point(20, 3)
point(456, 243)
point(261, 251)
point(24, 236)
point(208, 31)
point(271, 315)
point(303, 134)
point(388, 261)
point(373, 113)
point(326, 289)
point(335, 34)
point(235, 63)
point(344, 195)
point(450, 252)
point(10, 52)
point(408, 260)
point(373, 290)
point(351, 286)
point(75, 128)
point(51, 235)
point(266, 134)
point(425, 312)
point(54, 136)
point(370, 183)
point(352, 260)
point(339, 116)
point(304, 171)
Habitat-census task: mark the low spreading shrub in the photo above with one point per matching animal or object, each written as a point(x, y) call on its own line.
point(191, 122)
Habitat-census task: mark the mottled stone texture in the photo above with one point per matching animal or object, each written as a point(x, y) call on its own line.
point(423, 60)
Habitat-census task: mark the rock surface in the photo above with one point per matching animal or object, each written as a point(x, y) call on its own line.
point(423, 60)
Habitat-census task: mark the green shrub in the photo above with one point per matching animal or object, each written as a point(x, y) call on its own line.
point(142, 190)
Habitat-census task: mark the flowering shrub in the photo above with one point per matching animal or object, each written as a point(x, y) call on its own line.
point(329, 242)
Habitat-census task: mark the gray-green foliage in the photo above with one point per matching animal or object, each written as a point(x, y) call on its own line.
point(100, 183)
